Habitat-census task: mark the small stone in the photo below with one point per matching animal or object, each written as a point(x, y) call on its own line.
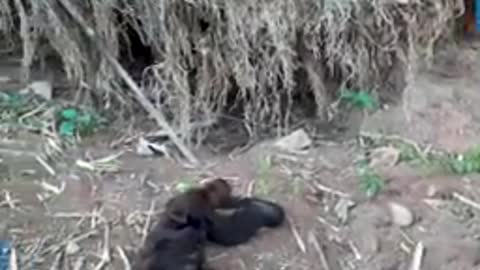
point(296, 141)
point(41, 88)
point(431, 191)
point(72, 248)
point(401, 215)
point(384, 157)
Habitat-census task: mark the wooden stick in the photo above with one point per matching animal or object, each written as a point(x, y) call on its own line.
point(323, 258)
point(147, 105)
point(123, 256)
point(466, 200)
point(417, 257)
point(150, 213)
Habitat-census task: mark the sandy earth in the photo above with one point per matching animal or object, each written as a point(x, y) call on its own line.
point(314, 187)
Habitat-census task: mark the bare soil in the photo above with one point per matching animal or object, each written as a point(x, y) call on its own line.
point(440, 109)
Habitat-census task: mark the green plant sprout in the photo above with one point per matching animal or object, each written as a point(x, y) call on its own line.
point(370, 182)
point(466, 163)
point(72, 121)
point(360, 99)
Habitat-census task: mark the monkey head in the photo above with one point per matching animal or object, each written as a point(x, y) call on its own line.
point(195, 203)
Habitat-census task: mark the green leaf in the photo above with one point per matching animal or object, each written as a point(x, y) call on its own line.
point(370, 182)
point(70, 114)
point(347, 94)
point(360, 99)
point(11, 100)
point(365, 100)
point(463, 166)
point(86, 119)
point(67, 128)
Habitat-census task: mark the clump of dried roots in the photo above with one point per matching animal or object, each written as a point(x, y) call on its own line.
point(197, 60)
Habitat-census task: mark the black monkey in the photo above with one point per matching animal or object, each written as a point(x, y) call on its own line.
point(243, 219)
point(170, 248)
point(178, 240)
point(249, 215)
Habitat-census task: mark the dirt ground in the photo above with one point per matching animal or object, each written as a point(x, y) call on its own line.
point(332, 224)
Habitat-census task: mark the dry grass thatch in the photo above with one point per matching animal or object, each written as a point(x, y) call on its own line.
point(201, 55)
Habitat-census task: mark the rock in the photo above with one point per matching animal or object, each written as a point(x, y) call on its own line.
point(41, 88)
point(296, 141)
point(72, 248)
point(384, 157)
point(432, 191)
point(401, 215)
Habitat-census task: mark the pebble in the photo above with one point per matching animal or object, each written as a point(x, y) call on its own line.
point(401, 215)
point(432, 191)
point(296, 141)
point(41, 88)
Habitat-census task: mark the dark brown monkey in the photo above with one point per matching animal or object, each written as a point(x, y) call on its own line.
point(172, 249)
point(199, 202)
point(177, 241)
point(246, 216)
point(190, 219)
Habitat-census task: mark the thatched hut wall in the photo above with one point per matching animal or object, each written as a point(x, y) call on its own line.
point(193, 58)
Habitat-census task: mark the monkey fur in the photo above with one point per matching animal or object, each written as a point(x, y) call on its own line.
point(177, 241)
point(172, 249)
point(192, 218)
point(242, 220)
point(198, 203)
point(244, 217)
point(248, 217)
